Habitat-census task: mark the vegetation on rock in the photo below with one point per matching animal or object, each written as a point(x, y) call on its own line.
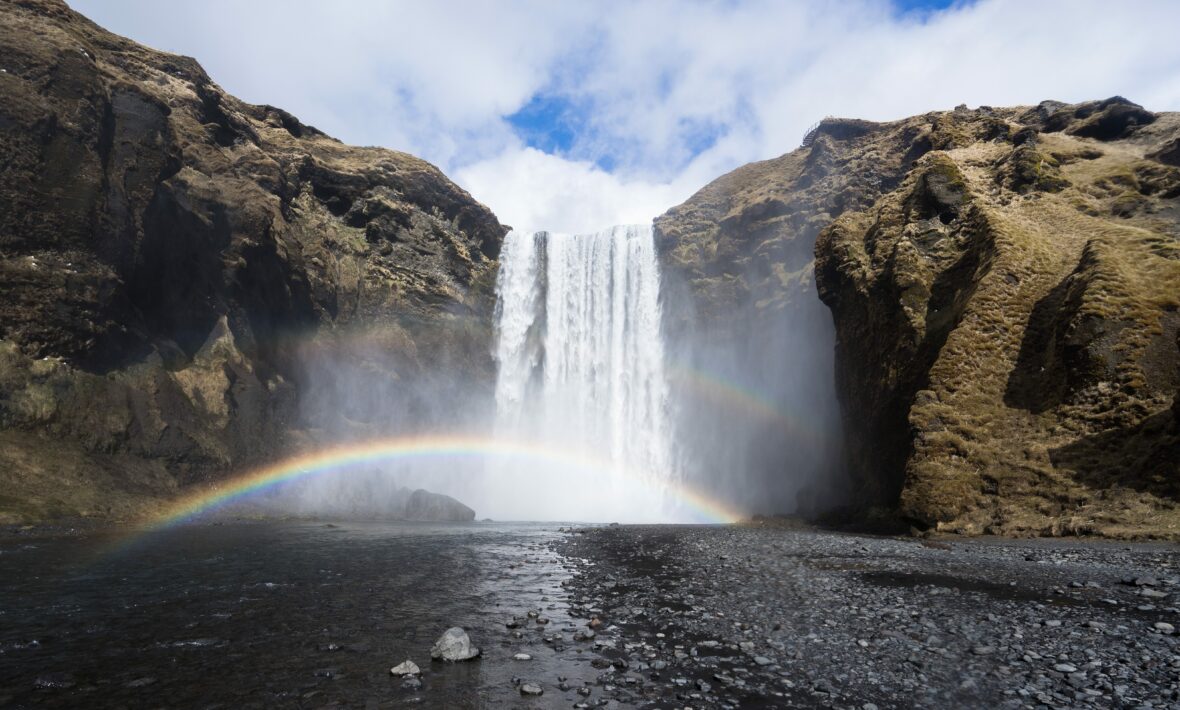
point(1005, 286)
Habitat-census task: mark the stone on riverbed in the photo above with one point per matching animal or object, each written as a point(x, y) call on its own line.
point(453, 645)
point(406, 667)
point(435, 507)
point(531, 689)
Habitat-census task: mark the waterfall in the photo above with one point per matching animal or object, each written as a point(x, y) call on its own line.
point(581, 371)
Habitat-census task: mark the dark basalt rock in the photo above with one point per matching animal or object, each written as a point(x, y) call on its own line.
point(1108, 120)
point(435, 507)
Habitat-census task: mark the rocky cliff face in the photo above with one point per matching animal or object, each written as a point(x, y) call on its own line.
point(174, 263)
point(1005, 286)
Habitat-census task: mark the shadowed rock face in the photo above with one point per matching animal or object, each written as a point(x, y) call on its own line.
point(1004, 284)
point(169, 255)
point(427, 506)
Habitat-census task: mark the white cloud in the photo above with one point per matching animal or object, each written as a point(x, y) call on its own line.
point(533, 191)
point(439, 79)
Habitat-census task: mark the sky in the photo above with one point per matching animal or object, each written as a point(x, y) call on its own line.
point(572, 116)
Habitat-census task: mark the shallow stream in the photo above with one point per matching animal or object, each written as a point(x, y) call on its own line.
point(291, 614)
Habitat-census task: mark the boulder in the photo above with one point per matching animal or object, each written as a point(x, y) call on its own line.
point(406, 667)
point(423, 505)
point(453, 645)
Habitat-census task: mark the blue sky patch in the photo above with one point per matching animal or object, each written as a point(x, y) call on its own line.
point(548, 123)
point(558, 125)
point(925, 7)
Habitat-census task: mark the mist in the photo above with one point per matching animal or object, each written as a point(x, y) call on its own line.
point(600, 395)
point(754, 394)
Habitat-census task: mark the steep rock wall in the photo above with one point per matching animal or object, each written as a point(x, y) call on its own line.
point(1005, 322)
point(176, 266)
point(1004, 285)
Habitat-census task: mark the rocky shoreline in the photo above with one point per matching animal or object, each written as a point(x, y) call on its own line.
point(727, 617)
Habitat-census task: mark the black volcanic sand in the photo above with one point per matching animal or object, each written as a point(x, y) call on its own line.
point(757, 617)
point(310, 615)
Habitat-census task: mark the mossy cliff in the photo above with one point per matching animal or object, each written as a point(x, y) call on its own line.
point(171, 259)
point(1005, 288)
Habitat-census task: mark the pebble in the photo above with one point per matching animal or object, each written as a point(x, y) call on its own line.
point(865, 623)
point(406, 667)
point(531, 689)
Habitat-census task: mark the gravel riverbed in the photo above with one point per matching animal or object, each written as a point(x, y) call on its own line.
point(727, 617)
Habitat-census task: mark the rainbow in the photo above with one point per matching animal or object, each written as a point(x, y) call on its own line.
point(737, 398)
point(343, 458)
point(700, 383)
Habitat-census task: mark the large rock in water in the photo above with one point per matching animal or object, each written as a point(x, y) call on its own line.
point(1005, 287)
point(453, 645)
point(426, 506)
point(176, 265)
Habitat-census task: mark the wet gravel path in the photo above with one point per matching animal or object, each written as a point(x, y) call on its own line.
point(762, 617)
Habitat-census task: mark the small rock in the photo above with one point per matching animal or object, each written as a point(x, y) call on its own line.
point(1163, 627)
point(406, 667)
point(522, 657)
point(1065, 668)
point(531, 689)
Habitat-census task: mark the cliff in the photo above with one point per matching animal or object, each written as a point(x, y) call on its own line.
point(1004, 285)
point(177, 265)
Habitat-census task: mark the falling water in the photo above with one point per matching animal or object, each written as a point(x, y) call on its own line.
point(581, 370)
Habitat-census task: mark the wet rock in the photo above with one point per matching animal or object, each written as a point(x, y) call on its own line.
point(531, 689)
point(406, 667)
point(453, 645)
point(522, 657)
point(425, 506)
